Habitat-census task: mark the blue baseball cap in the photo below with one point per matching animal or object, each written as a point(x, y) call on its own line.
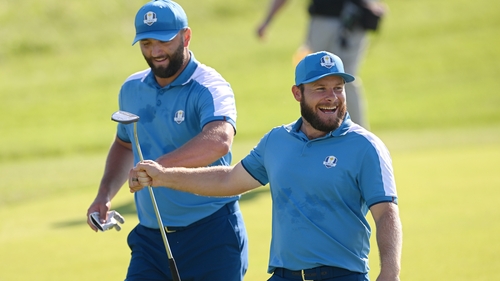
point(318, 65)
point(160, 20)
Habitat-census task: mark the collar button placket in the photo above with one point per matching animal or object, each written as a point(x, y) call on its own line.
point(158, 95)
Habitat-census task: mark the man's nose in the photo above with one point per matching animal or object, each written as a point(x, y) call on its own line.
point(331, 94)
point(157, 51)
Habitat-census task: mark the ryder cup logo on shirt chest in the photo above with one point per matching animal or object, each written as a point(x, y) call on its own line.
point(179, 116)
point(330, 161)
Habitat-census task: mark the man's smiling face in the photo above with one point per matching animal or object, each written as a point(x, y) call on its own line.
point(323, 103)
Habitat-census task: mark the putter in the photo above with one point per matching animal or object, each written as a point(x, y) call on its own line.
point(127, 118)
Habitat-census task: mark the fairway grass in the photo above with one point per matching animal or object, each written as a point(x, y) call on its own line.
point(447, 182)
point(431, 86)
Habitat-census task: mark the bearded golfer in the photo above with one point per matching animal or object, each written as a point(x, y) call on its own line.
point(187, 118)
point(325, 173)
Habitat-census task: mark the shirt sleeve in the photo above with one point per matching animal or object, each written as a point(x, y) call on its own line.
point(217, 101)
point(376, 178)
point(254, 162)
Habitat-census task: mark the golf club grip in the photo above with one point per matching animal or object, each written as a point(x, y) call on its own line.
point(173, 270)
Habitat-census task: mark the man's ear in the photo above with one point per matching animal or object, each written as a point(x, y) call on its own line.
point(297, 93)
point(187, 36)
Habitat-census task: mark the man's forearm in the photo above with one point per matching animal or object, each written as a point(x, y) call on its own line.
point(118, 164)
point(208, 181)
point(218, 181)
point(211, 144)
point(390, 240)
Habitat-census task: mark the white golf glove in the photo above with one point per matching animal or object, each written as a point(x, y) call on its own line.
point(112, 221)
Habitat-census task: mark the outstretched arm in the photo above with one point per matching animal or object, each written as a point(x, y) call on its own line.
point(377, 7)
point(276, 5)
point(389, 239)
point(216, 181)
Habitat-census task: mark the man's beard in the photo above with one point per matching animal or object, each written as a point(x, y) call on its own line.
point(176, 60)
point(316, 122)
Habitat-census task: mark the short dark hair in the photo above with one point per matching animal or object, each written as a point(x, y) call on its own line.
point(301, 88)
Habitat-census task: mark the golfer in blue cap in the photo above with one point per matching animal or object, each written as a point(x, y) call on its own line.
point(187, 117)
point(325, 173)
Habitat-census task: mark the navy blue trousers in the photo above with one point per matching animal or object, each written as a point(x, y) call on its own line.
point(214, 248)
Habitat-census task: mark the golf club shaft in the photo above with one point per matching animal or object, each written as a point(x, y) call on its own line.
point(173, 267)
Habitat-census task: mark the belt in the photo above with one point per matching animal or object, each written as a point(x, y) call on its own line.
point(317, 273)
point(227, 209)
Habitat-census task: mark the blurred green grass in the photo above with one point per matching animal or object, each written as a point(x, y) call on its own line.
point(431, 66)
point(430, 79)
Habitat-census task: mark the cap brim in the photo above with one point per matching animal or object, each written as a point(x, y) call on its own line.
point(164, 36)
point(347, 77)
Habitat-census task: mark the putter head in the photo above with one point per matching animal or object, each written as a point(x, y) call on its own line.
point(124, 117)
point(94, 219)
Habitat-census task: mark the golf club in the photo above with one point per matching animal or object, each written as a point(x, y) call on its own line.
point(127, 118)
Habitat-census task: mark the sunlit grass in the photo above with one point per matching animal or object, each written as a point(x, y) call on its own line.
point(430, 80)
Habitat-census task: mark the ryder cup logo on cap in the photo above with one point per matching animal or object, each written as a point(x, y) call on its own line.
point(159, 20)
point(318, 65)
point(149, 18)
point(327, 61)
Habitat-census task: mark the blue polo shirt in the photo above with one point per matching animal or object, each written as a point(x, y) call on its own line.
point(321, 191)
point(170, 117)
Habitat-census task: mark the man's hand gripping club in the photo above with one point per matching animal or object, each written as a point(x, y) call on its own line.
point(144, 175)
